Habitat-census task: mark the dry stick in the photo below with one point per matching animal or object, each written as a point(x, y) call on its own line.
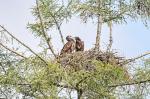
point(44, 33)
point(134, 59)
point(12, 51)
point(23, 44)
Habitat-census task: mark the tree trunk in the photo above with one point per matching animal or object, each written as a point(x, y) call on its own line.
point(110, 36)
point(99, 29)
point(79, 93)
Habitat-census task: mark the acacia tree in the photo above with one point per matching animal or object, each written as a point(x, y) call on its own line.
point(111, 12)
point(91, 75)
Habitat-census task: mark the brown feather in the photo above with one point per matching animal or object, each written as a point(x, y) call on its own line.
point(68, 47)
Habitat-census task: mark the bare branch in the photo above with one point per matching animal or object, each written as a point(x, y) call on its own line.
point(23, 44)
point(43, 30)
point(12, 51)
point(134, 59)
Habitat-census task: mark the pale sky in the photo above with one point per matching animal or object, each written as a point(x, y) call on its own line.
point(129, 39)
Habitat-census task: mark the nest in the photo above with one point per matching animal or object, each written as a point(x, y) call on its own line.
point(83, 60)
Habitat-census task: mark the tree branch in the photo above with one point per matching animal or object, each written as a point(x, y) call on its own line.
point(12, 51)
point(59, 30)
point(23, 44)
point(57, 25)
point(134, 59)
point(132, 83)
point(43, 30)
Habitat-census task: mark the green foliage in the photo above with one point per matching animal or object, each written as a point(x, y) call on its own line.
point(52, 12)
point(108, 9)
point(32, 78)
point(143, 72)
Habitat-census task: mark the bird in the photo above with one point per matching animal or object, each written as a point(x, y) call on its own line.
point(79, 46)
point(69, 47)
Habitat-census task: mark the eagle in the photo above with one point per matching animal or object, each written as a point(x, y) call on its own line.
point(79, 46)
point(69, 47)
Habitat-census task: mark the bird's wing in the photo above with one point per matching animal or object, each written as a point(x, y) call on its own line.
point(82, 45)
point(67, 46)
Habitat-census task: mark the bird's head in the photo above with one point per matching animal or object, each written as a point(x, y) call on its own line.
point(77, 39)
point(69, 38)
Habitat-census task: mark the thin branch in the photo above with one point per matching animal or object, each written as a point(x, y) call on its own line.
point(57, 25)
point(3, 93)
point(23, 44)
point(12, 51)
point(43, 30)
point(59, 30)
point(132, 83)
point(136, 58)
point(82, 80)
point(55, 84)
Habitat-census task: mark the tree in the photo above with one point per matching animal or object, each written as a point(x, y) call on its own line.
point(93, 74)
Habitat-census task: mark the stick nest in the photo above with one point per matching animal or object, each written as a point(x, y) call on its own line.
point(83, 60)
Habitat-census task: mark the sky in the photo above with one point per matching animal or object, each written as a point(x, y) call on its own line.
point(130, 39)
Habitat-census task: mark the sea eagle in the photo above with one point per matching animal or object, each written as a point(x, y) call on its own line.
point(69, 47)
point(79, 44)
